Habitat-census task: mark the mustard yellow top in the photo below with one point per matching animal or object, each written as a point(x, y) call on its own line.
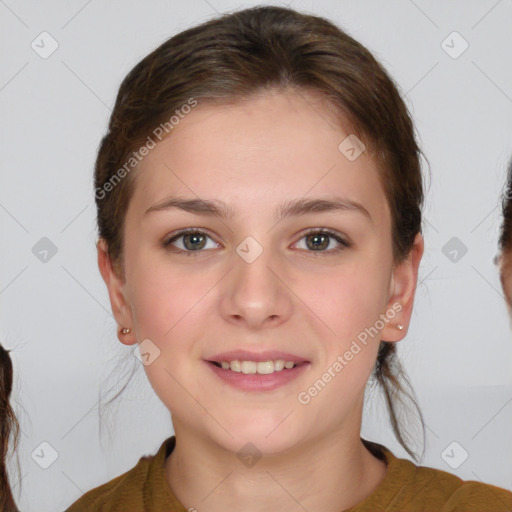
point(405, 488)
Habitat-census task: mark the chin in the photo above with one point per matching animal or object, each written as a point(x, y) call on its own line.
point(262, 434)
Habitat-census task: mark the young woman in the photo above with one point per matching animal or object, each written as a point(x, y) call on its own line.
point(259, 207)
point(8, 427)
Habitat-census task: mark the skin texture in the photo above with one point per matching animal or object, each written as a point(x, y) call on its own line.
point(256, 155)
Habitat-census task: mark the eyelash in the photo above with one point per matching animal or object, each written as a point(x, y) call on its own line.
point(344, 244)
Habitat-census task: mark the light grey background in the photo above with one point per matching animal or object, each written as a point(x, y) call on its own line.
point(55, 315)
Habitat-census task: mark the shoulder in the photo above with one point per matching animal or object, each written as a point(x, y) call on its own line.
point(457, 495)
point(408, 486)
point(127, 491)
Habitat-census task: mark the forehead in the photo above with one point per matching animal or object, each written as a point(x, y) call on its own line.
point(262, 148)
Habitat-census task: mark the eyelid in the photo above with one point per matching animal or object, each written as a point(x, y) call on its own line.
point(342, 239)
point(329, 231)
point(185, 231)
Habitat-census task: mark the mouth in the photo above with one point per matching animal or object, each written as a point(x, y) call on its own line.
point(258, 376)
point(258, 367)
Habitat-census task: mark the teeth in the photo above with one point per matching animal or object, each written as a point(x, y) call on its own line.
point(252, 367)
point(235, 366)
point(278, 365)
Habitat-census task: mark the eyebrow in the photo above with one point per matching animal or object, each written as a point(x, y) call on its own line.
point(291, 208)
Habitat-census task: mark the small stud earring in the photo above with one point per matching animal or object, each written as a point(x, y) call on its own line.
point(399, 327)
point(125, 330)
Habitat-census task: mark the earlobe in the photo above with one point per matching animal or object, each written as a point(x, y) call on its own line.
point(116, 291)
point(403, 285)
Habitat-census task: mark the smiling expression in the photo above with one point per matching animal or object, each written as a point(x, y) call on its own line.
point(289, 249)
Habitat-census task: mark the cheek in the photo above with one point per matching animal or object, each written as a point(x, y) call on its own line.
point(168, 310)
point(165, 299)
point(351, 308)
point(348, 299)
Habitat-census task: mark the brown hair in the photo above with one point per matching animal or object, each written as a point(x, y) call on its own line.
point(269, 48)
point(505, 240)
point(8, 425)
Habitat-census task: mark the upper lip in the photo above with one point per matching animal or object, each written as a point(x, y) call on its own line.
point(245, 355)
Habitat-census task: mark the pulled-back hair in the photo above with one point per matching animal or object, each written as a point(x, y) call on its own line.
point(261, 49)
point(505, 240)
point(8, 425)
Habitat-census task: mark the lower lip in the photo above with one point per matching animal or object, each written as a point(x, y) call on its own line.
point(256, 381)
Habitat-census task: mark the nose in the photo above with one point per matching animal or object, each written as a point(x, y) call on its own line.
point(255, 293)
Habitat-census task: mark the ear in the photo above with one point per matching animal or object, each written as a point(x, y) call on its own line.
point(116, 291)
point(402, 288)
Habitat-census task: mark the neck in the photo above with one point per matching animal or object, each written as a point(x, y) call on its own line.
point(331, 473)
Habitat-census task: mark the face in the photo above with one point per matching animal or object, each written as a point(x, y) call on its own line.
point(256, 281)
